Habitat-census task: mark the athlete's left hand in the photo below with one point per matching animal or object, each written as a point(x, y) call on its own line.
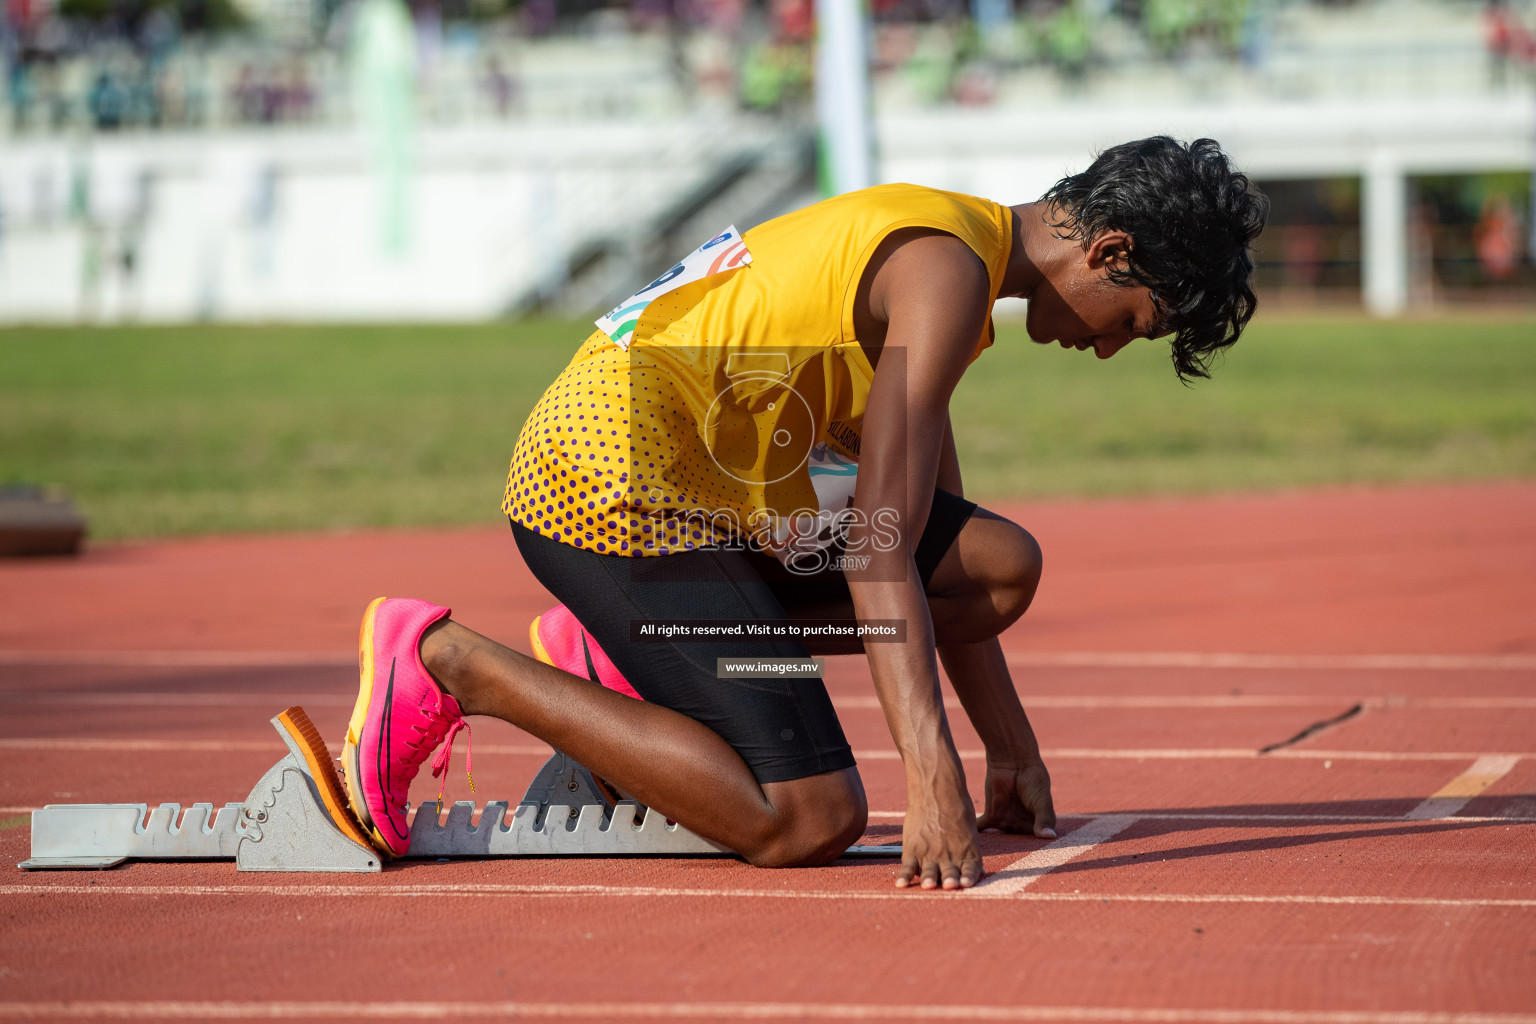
point(1019, 800)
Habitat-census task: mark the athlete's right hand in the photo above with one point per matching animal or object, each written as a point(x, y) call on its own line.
point(938, 836)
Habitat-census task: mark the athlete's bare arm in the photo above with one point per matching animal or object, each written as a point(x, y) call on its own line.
point(928, 297)
point(1018, 786)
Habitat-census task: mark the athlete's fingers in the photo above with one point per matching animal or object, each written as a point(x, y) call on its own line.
point(1013, 817)
point(1045, 816)
point(973, 871)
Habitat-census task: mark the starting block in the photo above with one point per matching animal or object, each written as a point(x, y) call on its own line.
point(297, 819)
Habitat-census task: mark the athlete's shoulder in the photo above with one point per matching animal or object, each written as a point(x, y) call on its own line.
point(851, 222)
point(904, 198)
point(894, 201)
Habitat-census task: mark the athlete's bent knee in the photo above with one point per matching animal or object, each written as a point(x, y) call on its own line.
point(813, 829)
point(810, 844)
point(1018, 575)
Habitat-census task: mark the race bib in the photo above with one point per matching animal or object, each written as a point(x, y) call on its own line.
point(800, 542)
point(726, 251)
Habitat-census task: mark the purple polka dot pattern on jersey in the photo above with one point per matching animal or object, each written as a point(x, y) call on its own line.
point(604, 462)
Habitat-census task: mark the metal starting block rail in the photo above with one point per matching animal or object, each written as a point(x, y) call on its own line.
point(297, 819)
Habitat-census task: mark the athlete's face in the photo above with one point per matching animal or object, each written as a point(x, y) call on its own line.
point(1078, 306)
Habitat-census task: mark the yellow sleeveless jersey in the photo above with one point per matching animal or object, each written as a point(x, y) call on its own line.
point(733, 403)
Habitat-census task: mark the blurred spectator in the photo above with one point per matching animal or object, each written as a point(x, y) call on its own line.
point(298, 96)
point(52, 104)
point(894, 45)
point(538, 17)
point(794, 21)
point(159, 33)
point(1302, 250)
point(930, 69)
point(1506, 38)
point(1422, 283)
point(112, 65)
point(1168, 24)
point(973, 76)
point(725, 16)
point(776, 76)
point(273, 94)
point(500, 88)
point(976, 84)
point(19, 86)
point(1496, 238)
point(1068, 41)
point(246, 95)
point(649, 15)
point(107, 102)
point(171, 98)
point(1226, 20)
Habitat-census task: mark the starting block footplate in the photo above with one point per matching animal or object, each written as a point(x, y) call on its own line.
point(295, 821)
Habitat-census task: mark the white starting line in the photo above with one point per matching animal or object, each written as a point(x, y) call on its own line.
point(637, 1010)
point(1009, 883)
point(1301, 662)
point(473, 891)
point(70, 743)
point(1023, 659)
point(1457, 793)
point(1076, 702)
point(1015, 877)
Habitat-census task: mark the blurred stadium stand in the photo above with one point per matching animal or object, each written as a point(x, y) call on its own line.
point(173, 160)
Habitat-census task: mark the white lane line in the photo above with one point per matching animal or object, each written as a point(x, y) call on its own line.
point(1043, 659)
point(1295, 819)
point(1245, 700)
point(178, 746)
point(1327, 901)
point(1319, 820)
point(62, 743)
point(635, 1010)
point(725, 1012)
point(1083, 702)
point(470, 890)
point(1024, 871)
point(147, 699)
point(1457, 793)
point(87, 743)
point(1304, 662)
point(1450, 703)
point(1285, 753)
point(1217, 753)
point(175, 700)
point(180, 659)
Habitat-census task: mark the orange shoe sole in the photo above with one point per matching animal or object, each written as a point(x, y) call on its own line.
point(539, 650)
point(323, 770)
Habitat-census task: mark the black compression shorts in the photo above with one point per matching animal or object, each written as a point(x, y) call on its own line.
point(784, 728)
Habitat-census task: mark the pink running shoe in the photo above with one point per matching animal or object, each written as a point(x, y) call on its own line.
point(401, 716)
point(559, 640)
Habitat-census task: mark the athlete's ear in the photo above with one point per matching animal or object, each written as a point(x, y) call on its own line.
point(1109, 249)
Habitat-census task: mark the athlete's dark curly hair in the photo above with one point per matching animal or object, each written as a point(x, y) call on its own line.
point(1192, 219)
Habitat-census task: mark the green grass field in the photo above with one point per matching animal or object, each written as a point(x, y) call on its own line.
point(184, 430)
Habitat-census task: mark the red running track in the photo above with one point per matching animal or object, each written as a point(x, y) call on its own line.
point(1380, 870)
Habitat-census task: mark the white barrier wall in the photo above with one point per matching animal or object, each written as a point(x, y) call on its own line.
point(1015, 157)
point(292, 225)
point(260, 226)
